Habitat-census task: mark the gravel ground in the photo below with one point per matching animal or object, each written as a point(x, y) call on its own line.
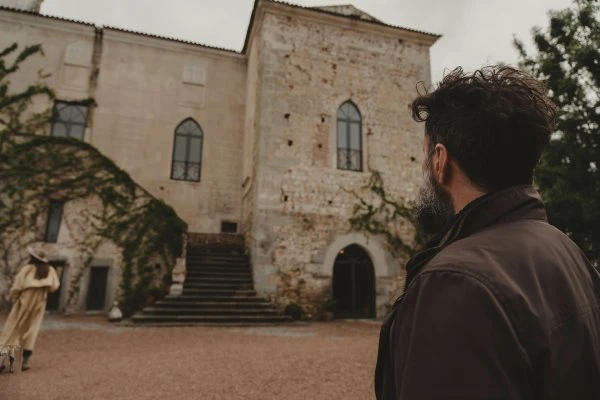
point(86, 358)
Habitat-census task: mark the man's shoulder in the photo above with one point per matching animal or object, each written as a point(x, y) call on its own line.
point(538, 275)
point(512, 246)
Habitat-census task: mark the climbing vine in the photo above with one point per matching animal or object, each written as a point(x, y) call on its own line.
point(37, 168)
point(384, 215)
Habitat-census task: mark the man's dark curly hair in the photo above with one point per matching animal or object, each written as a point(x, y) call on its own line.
point(494, 122)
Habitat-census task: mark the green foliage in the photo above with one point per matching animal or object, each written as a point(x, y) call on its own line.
point(568, 61)
point(34, 169)
point(37, 168)
point(13, 106)
point(330, 305)
point(392, 218)
point(294, 311)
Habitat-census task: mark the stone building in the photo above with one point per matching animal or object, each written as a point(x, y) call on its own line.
point(268, 142)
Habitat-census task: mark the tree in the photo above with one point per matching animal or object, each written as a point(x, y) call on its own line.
point(568, 61)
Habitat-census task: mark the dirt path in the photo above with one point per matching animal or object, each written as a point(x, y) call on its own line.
point(86, 358)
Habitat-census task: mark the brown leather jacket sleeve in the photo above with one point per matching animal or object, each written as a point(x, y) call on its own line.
point(452, 339)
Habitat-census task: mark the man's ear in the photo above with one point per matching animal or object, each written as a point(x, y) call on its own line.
point(441, 163)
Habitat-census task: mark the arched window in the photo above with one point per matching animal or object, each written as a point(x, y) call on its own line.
point(187, 152)
point(349, 137)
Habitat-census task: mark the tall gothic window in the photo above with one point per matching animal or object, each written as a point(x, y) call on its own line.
point(349, 137)
point(69, 119)
point(187, 152)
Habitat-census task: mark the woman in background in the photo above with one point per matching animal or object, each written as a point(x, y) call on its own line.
point(28, 294)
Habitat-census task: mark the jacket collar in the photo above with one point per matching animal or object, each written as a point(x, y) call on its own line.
point(511, 204)
point(507, 205)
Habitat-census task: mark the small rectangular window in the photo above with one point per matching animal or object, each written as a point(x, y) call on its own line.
point(69, 120)
point(229, 227)
point(55, 211)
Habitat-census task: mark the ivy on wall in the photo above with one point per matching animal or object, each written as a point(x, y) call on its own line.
point(37, 168)
point(381, 214)
point(34, 169)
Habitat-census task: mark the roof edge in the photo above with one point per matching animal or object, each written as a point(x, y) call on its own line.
point(433, 37)
point(99, 27)
point(171, 39)
point(36, 14)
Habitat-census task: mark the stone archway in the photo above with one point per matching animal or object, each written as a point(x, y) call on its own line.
point(354, 283)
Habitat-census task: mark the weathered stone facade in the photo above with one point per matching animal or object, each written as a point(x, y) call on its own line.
point(268, 115)
point(302, 202)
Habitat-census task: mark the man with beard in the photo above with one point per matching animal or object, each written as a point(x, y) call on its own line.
point(500, 304)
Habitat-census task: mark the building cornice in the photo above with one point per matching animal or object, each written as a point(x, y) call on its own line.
point(332, 18)
point(348, 22)
point(11, 15)
point(143, 39)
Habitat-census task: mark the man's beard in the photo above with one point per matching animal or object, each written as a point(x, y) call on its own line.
point(434, 207)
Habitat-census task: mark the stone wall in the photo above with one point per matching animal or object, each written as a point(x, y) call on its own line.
point(144, 87)
point(76, 247)
point(307, 70)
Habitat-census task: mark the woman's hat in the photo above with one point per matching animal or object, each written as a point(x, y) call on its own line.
point(38, 255)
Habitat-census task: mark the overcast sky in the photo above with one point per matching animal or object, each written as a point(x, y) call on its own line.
point(475, 32)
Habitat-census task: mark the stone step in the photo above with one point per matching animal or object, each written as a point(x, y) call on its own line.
point(235, 304)
point(209, 271)
point(219, 275)
point(230, 298)
point(217, 256)
point(218, 286)
point(219, 292)
point(216, 264)
point(209, 311)
point(218, 278)
point(217, 249)
point(192, 265)
point(141, 318)
point(220, 271)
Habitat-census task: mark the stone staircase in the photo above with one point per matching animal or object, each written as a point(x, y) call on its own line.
point(218, 290)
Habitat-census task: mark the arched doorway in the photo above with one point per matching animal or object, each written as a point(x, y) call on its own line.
point(354, 283)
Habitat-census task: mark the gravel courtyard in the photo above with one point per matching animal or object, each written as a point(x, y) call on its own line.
point(86, 358)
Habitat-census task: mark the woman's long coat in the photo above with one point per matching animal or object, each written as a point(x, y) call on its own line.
point(29, 297)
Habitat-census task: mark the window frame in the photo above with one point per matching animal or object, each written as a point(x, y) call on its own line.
point(69, 124)
point(188, 146)
point(348, 124)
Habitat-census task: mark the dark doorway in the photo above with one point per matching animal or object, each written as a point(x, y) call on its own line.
point(354, 284)
point(53, 302)
point(96, 297)
point(229, 227)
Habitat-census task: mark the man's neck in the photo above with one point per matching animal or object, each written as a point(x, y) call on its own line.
point(465, 195)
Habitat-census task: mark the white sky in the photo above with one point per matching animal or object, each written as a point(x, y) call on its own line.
point(475, 32)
